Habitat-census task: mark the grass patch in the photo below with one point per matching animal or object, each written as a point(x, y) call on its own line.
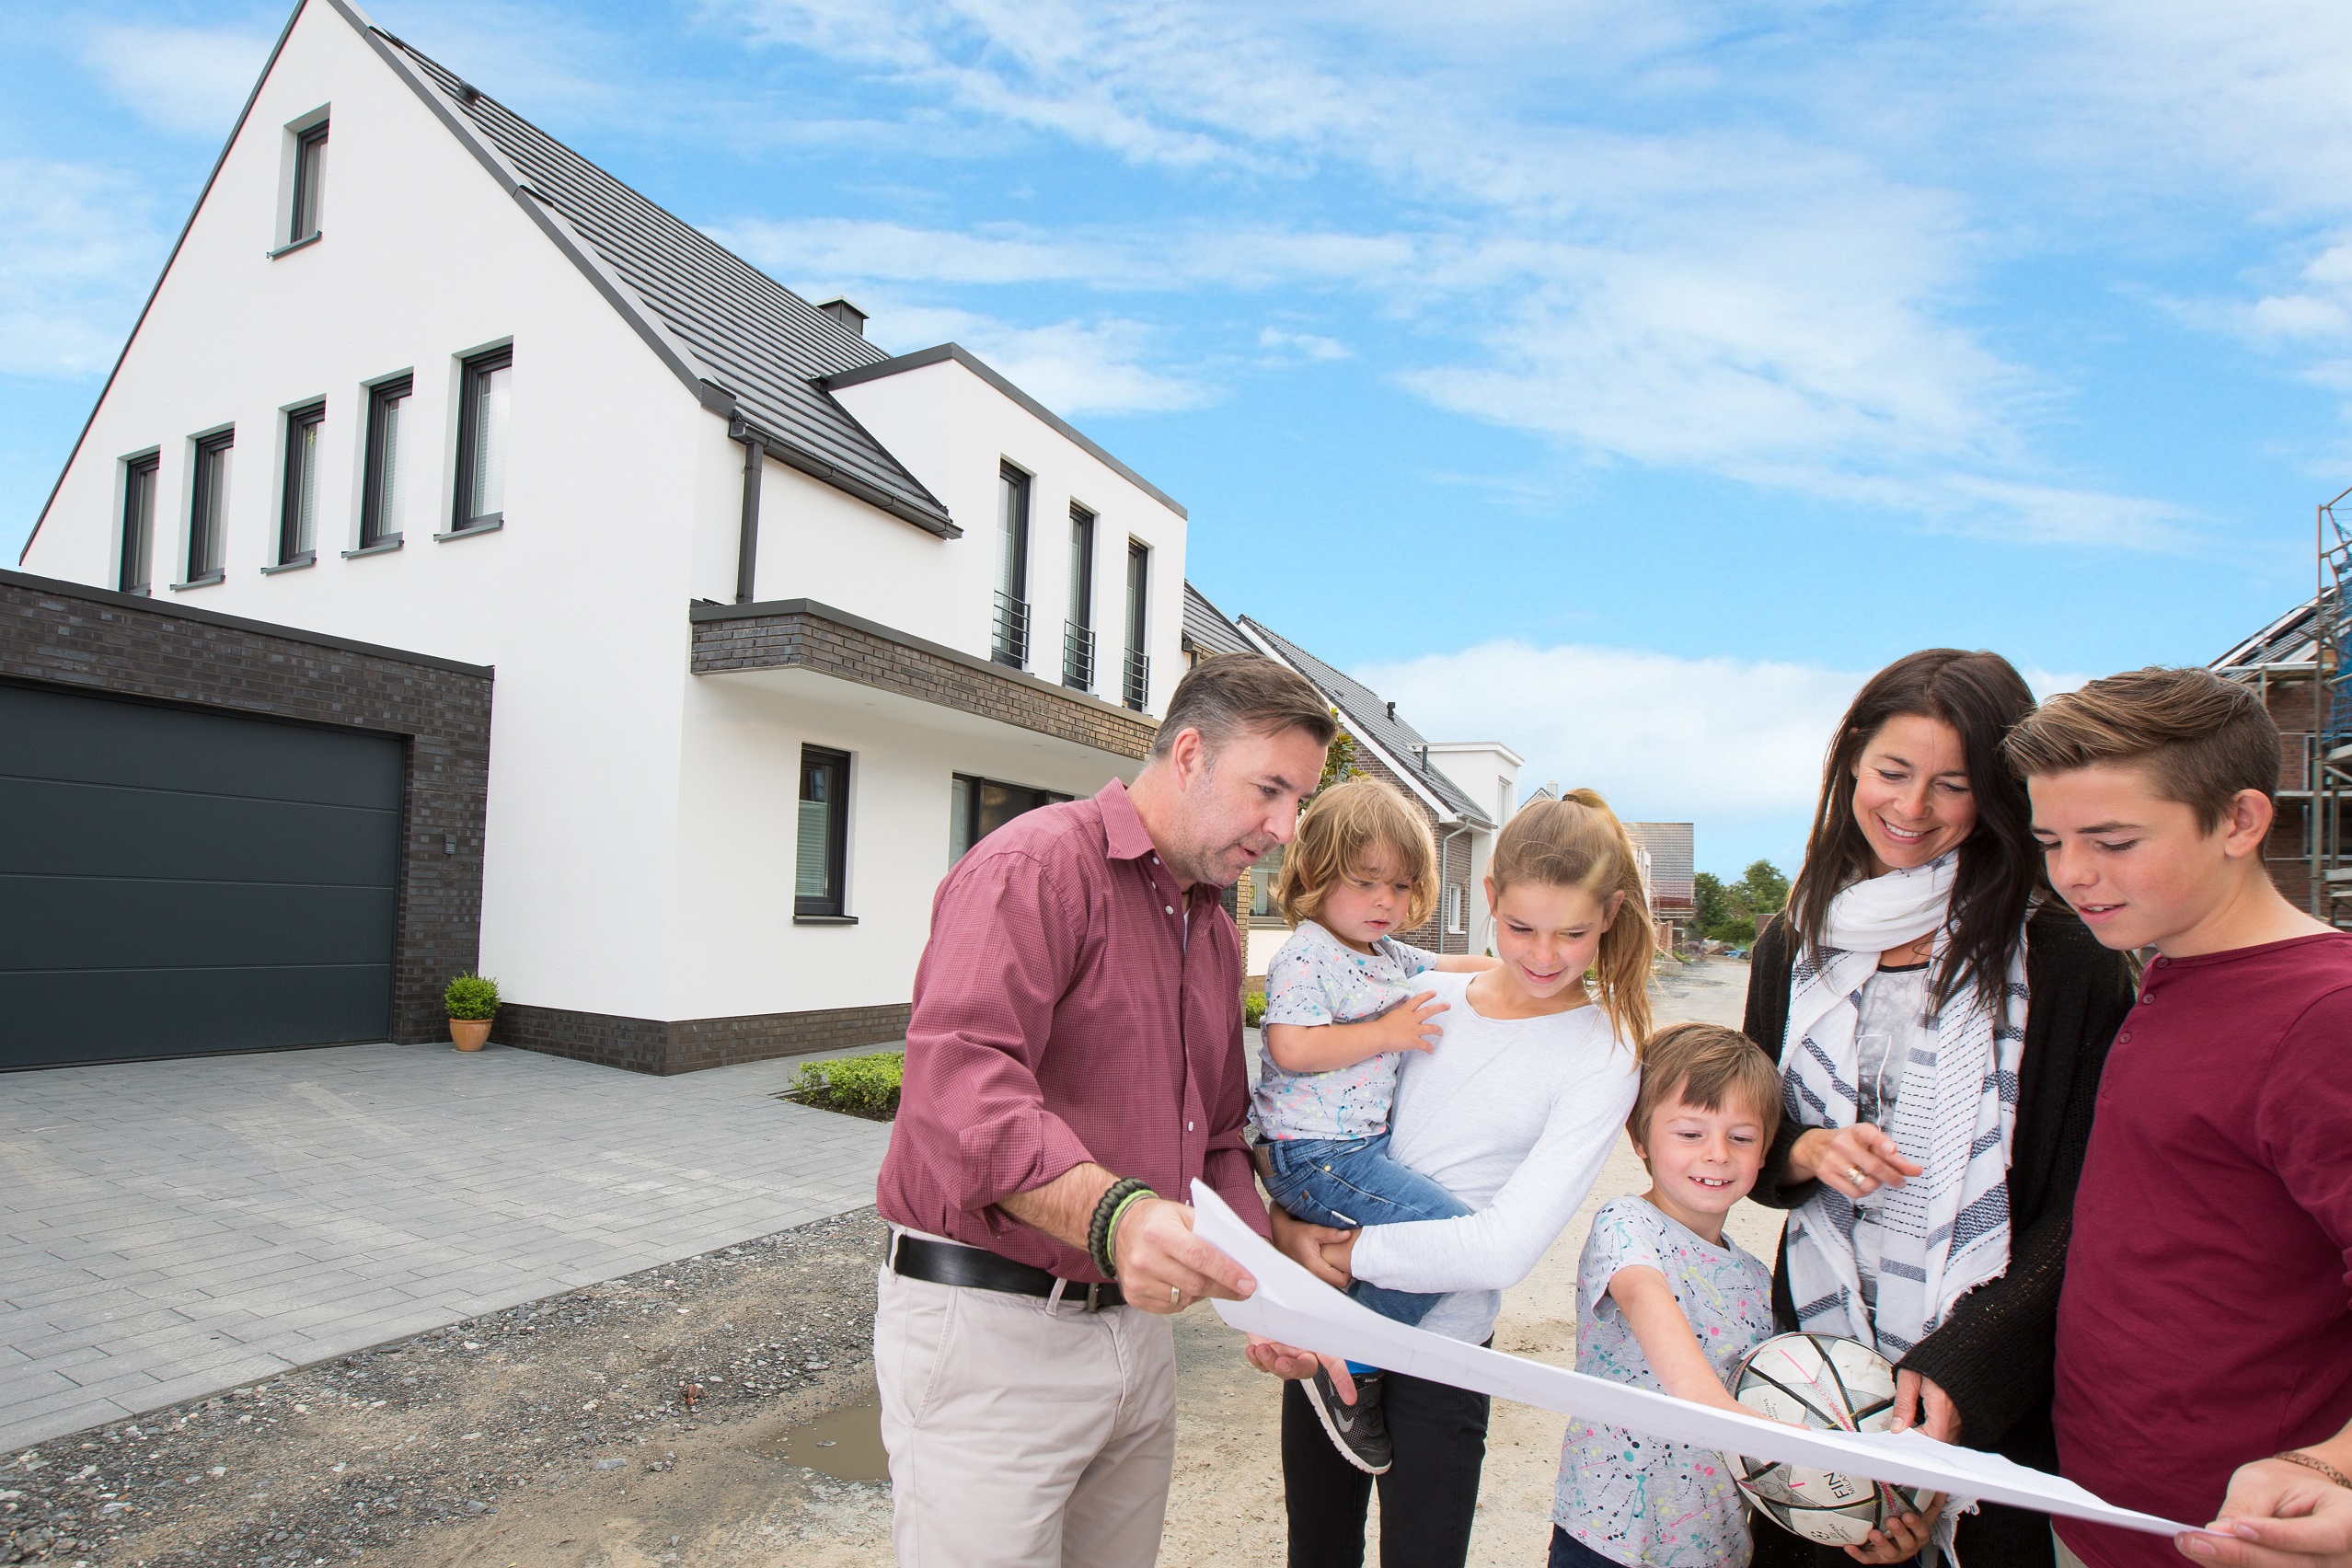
point(856, 1086)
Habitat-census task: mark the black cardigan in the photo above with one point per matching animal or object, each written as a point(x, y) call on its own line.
point(1996, 1355)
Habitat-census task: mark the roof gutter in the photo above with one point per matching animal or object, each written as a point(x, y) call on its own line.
point(740, 429)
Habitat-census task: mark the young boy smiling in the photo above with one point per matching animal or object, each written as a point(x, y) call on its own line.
point(2204, 1340)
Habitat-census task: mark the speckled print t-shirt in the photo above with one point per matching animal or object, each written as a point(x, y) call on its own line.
point(1316, 979)
point(1631, 1498)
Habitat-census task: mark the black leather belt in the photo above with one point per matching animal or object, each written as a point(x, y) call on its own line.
point(951, 1263)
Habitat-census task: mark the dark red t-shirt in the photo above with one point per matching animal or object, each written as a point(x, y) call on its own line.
point(2207, 1318)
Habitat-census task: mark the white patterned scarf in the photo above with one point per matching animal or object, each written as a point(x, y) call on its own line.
point(1946, 1230)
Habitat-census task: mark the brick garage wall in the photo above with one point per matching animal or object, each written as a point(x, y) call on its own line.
point(70, 637)
point(801, 633)
point(687, 1046)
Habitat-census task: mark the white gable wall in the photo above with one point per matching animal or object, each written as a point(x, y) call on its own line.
point(579, 600)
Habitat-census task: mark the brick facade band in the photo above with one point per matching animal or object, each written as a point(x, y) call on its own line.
point(687, 1045)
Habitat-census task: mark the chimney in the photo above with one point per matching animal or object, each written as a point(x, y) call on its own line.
point(1392, 713)
point(848, 315)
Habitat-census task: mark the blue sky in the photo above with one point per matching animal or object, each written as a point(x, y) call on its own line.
point(1620, 379)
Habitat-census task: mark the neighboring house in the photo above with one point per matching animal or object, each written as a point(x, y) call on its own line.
point(1667, 857)
point(781, 623)
point(2309, 852)
point(1463, 823)
point(1206, 631)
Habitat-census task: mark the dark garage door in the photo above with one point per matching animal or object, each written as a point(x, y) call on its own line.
point(175, 882)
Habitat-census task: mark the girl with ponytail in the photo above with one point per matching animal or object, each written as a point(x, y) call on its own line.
point(1514, 1111)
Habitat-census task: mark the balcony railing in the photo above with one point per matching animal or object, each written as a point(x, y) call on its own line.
point(1012, 630)
point(1138, 679)
point(1078, 656)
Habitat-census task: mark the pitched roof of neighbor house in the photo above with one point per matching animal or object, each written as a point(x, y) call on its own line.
point(1206, 628)
point(744, 333)
point(2292, 639)
point(1367, 716)
point(1672, 860)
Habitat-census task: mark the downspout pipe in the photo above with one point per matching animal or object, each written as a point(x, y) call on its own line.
point(747, 543)
point(1443, 845)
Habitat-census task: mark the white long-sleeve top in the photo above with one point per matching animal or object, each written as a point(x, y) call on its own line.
point(1515, 1118)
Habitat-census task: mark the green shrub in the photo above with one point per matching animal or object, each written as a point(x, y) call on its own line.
point(863, 1086)
point(473, 996)
point(1253, 1009)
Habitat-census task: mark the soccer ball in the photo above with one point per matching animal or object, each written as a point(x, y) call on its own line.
point(1839, 1384)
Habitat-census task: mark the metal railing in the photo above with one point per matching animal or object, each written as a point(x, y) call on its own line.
point(1138, 685)
point(1078, 656)
point(1012, 630)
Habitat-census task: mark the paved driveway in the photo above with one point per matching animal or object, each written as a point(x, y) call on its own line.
point(171, 1228)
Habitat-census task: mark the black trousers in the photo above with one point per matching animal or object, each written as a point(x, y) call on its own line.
point(1427, 1499)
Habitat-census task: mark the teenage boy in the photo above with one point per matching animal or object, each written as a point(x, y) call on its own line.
point(2204, 1337)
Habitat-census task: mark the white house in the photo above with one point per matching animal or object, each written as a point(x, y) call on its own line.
point(779, 622)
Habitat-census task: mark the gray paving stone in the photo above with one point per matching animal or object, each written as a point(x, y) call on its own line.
point(205, 1222)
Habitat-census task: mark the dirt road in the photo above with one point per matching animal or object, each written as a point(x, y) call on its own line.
point(666, 1418)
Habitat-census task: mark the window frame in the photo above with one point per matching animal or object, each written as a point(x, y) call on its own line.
point(1010, 639)
point(308, 186)
point(1135, 685)
point(969, 787)
point(1077, 639)
point(205, 558)
point(471, 374)
point(374, 472)
point(304, 426)
point(141, 475)
point(833, 904)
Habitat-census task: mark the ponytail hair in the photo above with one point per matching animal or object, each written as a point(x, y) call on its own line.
point(1576, 841)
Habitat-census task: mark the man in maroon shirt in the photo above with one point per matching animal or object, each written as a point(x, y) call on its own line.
point(2205, 1328)
point(1074, 1061)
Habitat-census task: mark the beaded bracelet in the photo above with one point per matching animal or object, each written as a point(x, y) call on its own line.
point(1106, 1210)
point(2329, 1470)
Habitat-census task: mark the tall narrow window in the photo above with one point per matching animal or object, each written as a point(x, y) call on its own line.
point(1012, 566)
point(1137, 685)
point(207, 509)
point(298, 511)
point(822, 852)
point(483, 396)
point(138, 521)
point(380, 495)
point(1077, 637)
point(309, 183)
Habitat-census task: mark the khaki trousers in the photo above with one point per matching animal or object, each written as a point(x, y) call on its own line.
point(1020, 1434)
point(2066, 1558)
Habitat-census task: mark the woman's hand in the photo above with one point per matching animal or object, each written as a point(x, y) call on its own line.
point(1901, 1539)
point(1291, 1365)
point(2277, 1514)
point(1856, 1161)
point(1304, 1244)
point(1919, 1403)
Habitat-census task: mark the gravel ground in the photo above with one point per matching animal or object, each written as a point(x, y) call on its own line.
point(566, 1414)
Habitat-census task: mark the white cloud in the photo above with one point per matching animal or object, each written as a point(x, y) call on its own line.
point(1302, 345)
point(81, 253)
point(188, 81)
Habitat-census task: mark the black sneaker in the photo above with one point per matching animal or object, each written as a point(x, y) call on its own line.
point(1359, 1431)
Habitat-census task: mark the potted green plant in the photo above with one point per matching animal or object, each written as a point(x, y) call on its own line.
point(472, 1001)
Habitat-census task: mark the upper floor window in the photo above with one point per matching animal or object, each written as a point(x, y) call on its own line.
point(484, 392)
point(822, 855)
point(982, 805)
point(1136, 688)
point(208, 509)
point(1077, 637)
point(1012, 566)
point(309, 184)
point(138, 521)
point(298, 510)
point(387, 404)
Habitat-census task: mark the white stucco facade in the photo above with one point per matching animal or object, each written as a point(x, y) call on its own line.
point(640, 830)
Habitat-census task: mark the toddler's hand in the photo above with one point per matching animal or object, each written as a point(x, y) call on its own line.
point(1411, 1026)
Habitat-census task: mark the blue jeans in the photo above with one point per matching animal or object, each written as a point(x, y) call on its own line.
point(1567, 1552)
point(1350, 1184)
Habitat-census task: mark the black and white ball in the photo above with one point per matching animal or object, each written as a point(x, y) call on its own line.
point(1836, 1384)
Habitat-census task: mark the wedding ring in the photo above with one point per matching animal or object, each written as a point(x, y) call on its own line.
point(1175, 1297)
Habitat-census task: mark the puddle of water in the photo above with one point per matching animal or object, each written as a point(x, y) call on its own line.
point(844, 1444)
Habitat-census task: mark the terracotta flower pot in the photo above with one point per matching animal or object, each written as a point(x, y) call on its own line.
point(468, 1034)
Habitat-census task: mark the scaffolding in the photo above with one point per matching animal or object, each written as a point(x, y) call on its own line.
point(2298, 665)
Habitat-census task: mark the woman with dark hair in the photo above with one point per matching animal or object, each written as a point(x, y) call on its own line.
point(1940, 1027)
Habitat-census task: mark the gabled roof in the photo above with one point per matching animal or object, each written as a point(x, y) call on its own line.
point(1369, 718)
point(755, 348)
point(2292, 639)
point(1206, 628)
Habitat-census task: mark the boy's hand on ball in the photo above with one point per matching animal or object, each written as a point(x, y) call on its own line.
point(1901, 1539)
point(2277, 1514)
point(1919, 1403)
point(1410, 1024)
